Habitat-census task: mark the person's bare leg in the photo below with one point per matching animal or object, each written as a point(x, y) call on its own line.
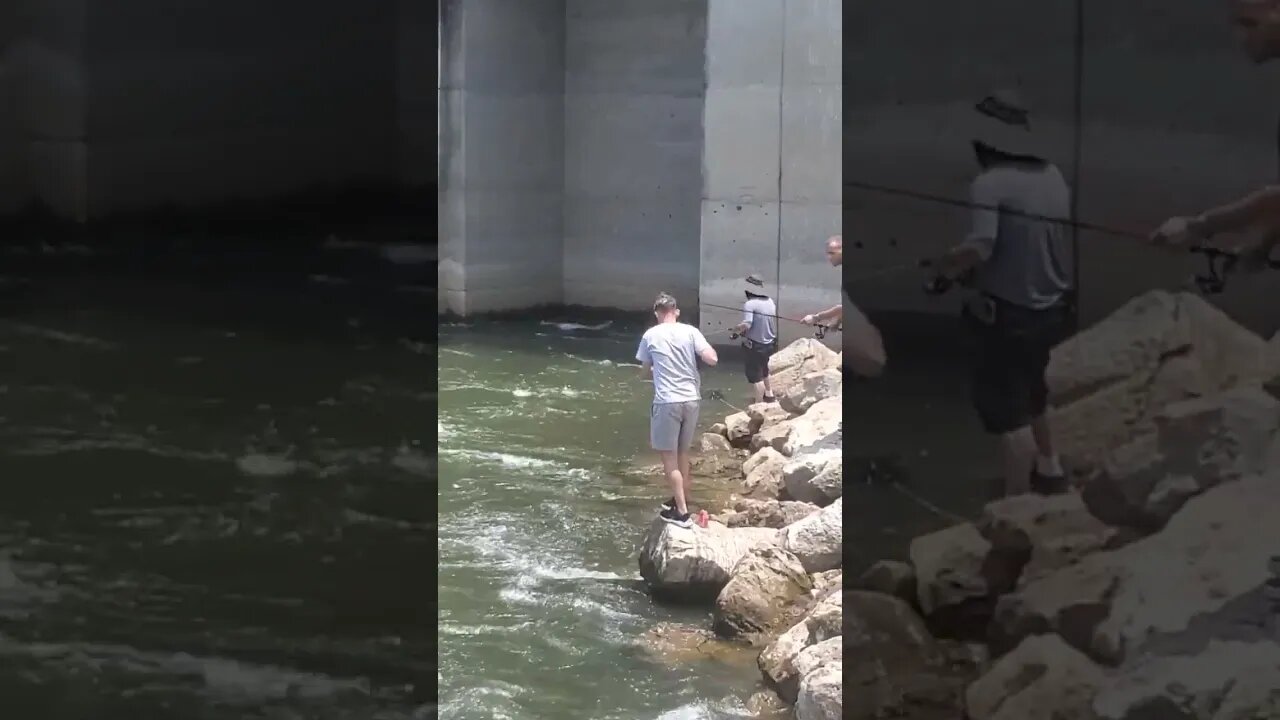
point(686, 474)
point(768, 389)
point(760, 391)
point(671, 467)
point(1018, 450)
point(1047, 462)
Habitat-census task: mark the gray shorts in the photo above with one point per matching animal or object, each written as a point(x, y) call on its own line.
point(671, 425)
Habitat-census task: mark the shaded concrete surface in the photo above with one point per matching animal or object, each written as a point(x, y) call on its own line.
point(1174, 119)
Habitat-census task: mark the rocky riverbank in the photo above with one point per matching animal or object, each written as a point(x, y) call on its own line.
point(768, 564)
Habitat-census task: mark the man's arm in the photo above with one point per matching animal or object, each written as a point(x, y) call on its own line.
point(1259, 208)
point(864, 347)
point(976, 249)
point(646, 371)
point(704, 349)
point(748, 316)
point(646, 361)
point(835, 312)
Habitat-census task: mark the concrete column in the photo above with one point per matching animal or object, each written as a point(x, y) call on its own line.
point(772, 185)
point(502, 155)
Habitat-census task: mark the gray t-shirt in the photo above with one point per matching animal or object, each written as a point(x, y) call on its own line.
point(672, 349)
point(759, 314)
point(1026, 253)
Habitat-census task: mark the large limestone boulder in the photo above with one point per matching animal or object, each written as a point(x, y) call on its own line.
point(818, 540)
point(675, 645)
point(898, 669)
point(775, 436)
point(811, 389)
point(696, 563)
point(748, 512)
point(956, 582)
point(764, 415)
point(738, 429)
point(777, 662)
point(820, 696)
point(1197, 444)
point(793, 362)
point(1198, 578)
point(1107, 381)
point(764, 586)
point(1043, 679)
point(891, 578)
point(714, 443)
point(764, 473)
point(1225, 681)
point(1032, 535)
point(815, 426)
point(815, 477)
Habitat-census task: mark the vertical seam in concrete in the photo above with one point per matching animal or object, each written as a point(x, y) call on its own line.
point(782, 83)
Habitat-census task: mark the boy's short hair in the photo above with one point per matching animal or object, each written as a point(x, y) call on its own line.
point(665, 303)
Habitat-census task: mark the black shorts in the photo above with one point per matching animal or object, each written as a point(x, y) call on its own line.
point(1012, 354)
point(756, 360)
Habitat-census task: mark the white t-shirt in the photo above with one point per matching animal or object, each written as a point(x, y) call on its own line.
point(672, 348)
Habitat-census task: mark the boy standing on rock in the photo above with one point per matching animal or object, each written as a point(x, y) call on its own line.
point(759, 336)
point(670, 352)
point(1015, 261)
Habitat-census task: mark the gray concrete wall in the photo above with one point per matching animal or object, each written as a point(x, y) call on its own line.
point(1174, 120)
point(633, 143)
point(772, 174)
point(502, 166)
point(417, 49)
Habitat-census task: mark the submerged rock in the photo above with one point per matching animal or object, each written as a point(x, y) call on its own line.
point(675, 645)
point(695, 563)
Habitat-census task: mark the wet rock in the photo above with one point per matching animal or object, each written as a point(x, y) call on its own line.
point(898, 669)
point(1226, 681)
point(748, 512)
point(1031, 535)
point(1197, 444)
point(695, 563)
point(764, 473)
point(675, 645)
point(1198, 579)
point(815, 477)
point(808, 430)
point(810, 389)
point(800, 358)
point(738, 429)
point(1043, 679)
point(820, 695)
point(766, 705)
point(711, 443)
point(764, 415)
point(818, 539)
point(777, 662)
point(762, 588)
point(956, 584)
point(890, 578)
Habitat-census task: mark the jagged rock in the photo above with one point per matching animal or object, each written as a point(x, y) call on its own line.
point(820, 695)
point(817, 424)
point(738, 429)
point(764, 473)
point(768, 513)
point(815, 477)
point(800, 358)
point(1226, 681)
point(1199, 578)
point(762, 588)
point(810, 389)
point(890, 578)
point(711, 442)
point(1032, 535)
point(719, 429)
point(1107, 381)
point(817, 539)
point(674, 645)
point(695, 563)
point(777, 661)
point(775, 436)
point(826, 582)
point(956, 583)
point(766, 705)
point(764, 415)
point(1043, 679)
point(1197, 444)
point(898, 668)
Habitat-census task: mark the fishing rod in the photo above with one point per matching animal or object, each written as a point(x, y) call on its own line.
point(820, 332)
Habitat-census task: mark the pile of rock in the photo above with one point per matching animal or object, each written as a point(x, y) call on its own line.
point(1151, 591)
point(769, 565)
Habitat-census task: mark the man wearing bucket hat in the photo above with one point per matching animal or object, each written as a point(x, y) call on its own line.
point(1015, 262)
point(759, 333)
